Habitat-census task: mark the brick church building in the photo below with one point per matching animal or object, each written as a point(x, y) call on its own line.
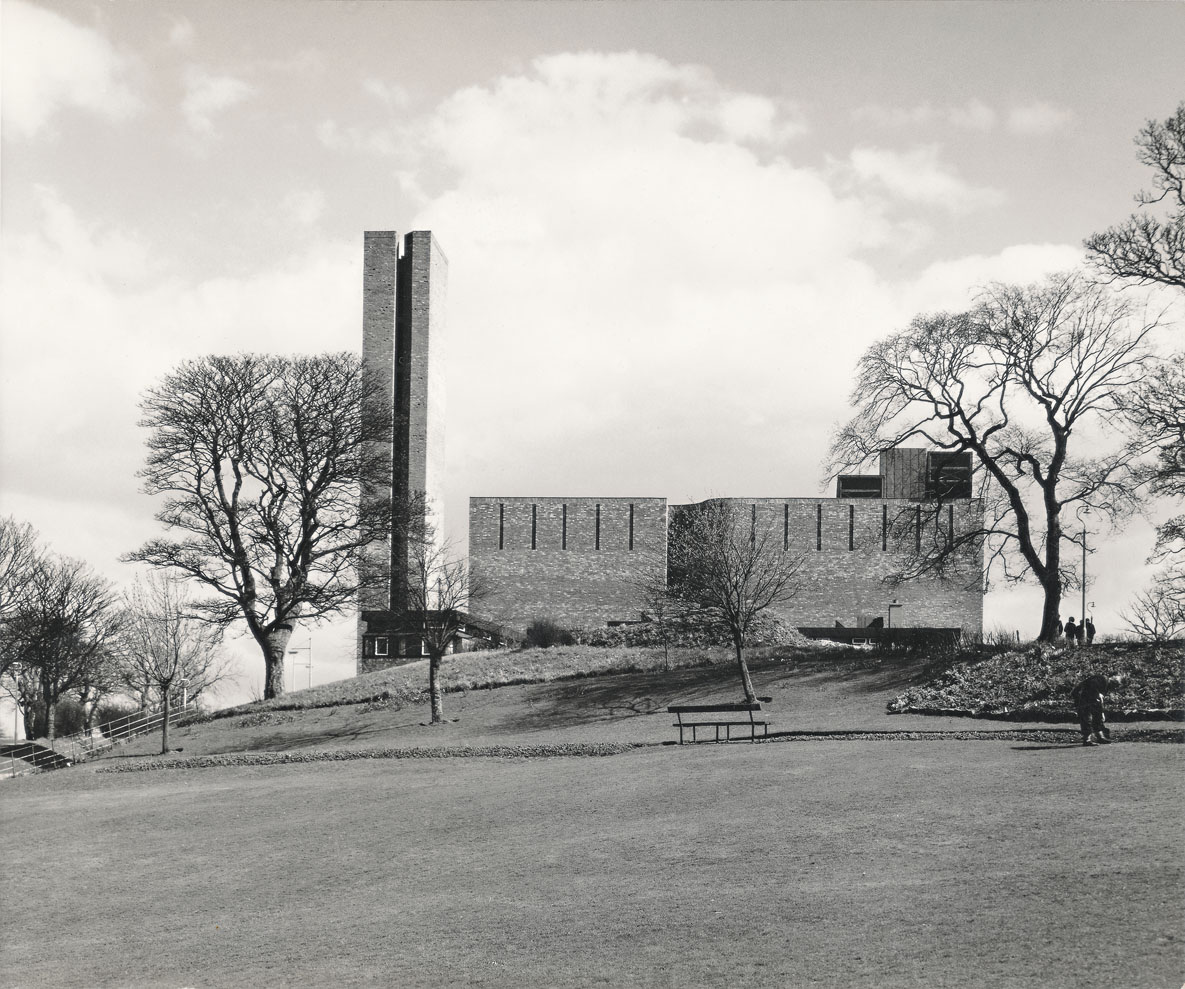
point(579, 560)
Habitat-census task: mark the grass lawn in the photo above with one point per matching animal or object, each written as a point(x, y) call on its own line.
point(856, 863)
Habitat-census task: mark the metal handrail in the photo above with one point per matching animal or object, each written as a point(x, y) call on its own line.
point(85, 743)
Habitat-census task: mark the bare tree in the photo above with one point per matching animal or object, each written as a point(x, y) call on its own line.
point(1158, 612)
point(1144, 248)
point(1156, 408)
point(1018, 382)
point(62, 630)
point(262, 460)
point(722, 560)
point(164, 645)
point(440, 591)
point(659, 605)
point(23, 685)
point(20, 556)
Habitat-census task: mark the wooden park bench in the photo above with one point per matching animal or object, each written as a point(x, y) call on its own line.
point(693, 716)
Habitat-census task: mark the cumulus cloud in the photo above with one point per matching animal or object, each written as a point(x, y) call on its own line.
point(50, 63)
point(357, 139)
point(920, 177)
point(181, 33)
point(207, 95)
point(1038, 118)
point(642, 299)
point(391, 94)
point(124, 316)
point(972, 115)
point(304, 206)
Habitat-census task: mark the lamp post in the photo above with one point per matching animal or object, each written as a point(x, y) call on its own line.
point(308, 647)
point(1083, 510)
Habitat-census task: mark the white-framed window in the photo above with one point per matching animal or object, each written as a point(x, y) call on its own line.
point(382, 646)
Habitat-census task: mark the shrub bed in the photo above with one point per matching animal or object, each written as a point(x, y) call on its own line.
point(690, 629)
point(1035, 684)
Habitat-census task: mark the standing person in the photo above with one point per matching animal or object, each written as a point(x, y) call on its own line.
point(1088, 701)
point(1089, 626)
point(1071, 631)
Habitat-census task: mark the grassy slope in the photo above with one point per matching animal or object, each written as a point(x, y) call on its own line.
point(500, 668)
point(832, 691)
point(962, 864)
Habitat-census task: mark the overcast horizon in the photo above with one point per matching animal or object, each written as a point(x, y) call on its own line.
point(672, 229)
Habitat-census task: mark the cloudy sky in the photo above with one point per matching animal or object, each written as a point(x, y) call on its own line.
point(672, 228)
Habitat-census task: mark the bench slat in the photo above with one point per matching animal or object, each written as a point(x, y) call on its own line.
point(711, 708)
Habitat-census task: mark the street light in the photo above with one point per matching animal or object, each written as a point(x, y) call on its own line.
point(309, 664)
point(1083, 510)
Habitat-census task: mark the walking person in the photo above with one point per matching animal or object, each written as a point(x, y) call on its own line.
point(1089, 626)
point(1088, 701)
point(1071, 631)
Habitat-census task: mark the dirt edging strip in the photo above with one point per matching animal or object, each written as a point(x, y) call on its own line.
point(349, 755)
point(1052, 736)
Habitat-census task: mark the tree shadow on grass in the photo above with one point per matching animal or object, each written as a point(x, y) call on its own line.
point(570, 703)
point(584, 701)
point(306, 739)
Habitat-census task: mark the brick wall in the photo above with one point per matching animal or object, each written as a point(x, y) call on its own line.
point(579, 573)
point(863, 541)
point(848, 547)
point(423, 274)
point(380, 258)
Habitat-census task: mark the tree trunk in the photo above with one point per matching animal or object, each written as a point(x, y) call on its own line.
point(434, 690)
point(746, 682)
point(275, 646)
point(1051, 610)
point(29, 714)
point(164, 725)
point(50, 722)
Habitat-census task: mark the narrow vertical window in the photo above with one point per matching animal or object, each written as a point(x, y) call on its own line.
point(534, 524)
point(851, 527)
point(564, 529)
point(501, 526)
point(884, 528)
point(597, 544)
point(631, 525)
point(917, 538)
point(786, 526)
point(818, 526)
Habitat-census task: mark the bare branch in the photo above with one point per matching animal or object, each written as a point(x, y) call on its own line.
point(262, 460)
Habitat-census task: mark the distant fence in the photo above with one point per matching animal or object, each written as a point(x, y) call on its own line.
point(21, 757)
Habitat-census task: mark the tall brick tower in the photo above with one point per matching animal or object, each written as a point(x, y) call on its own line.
point(403, 293)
